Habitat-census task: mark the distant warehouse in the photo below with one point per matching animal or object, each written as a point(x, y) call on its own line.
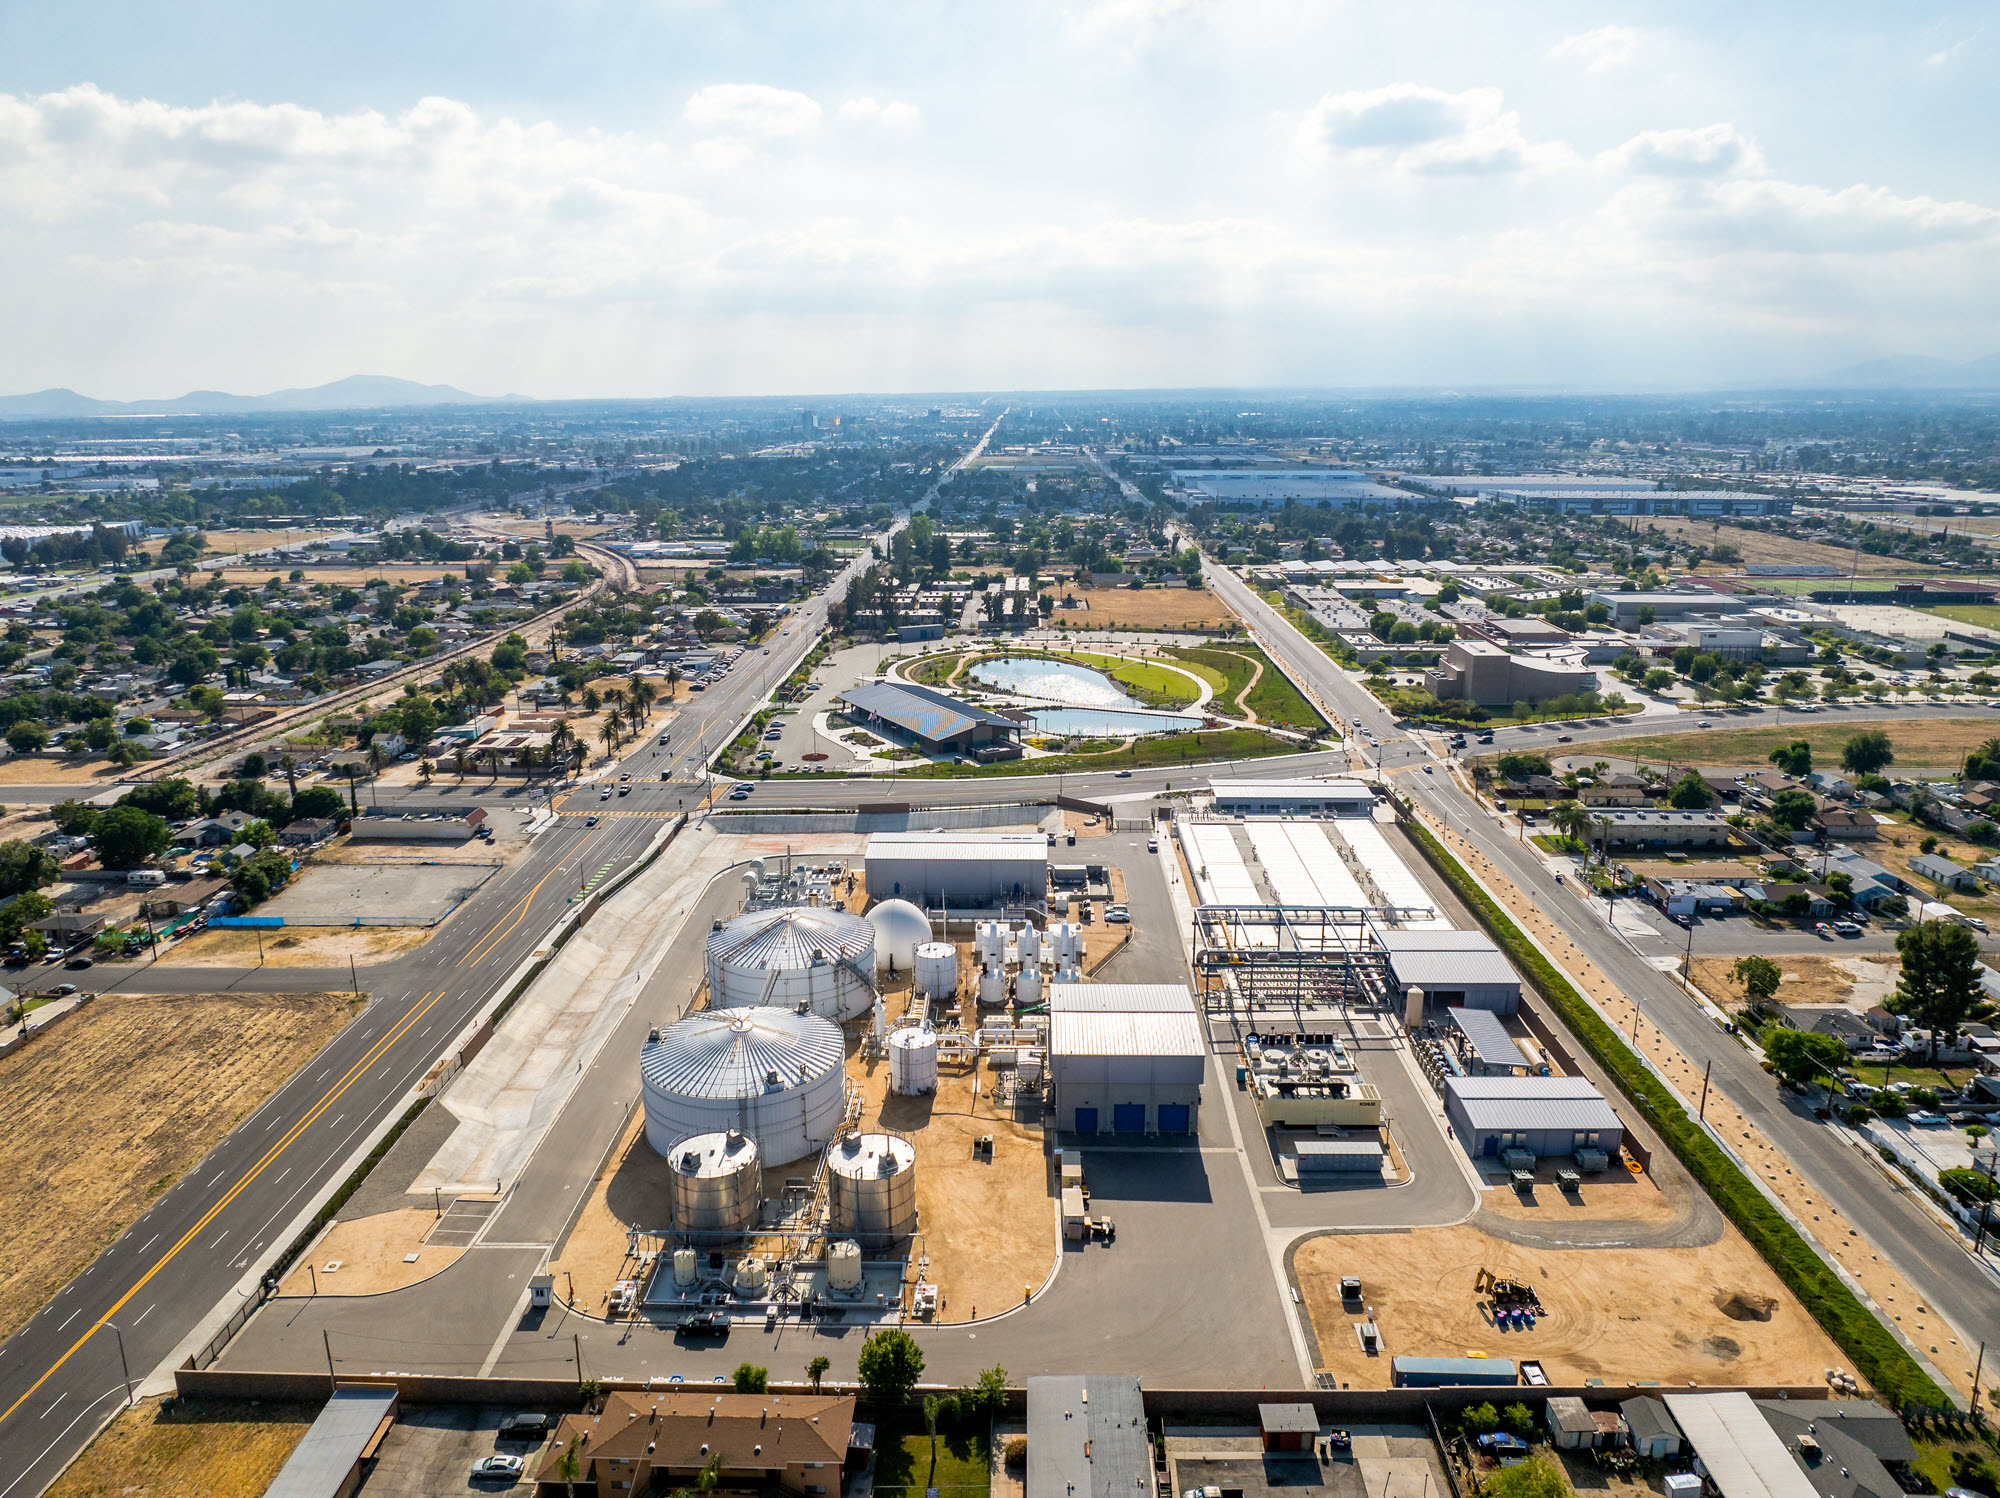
point(965, 870)
point(1457, 969)
point(1291, 798)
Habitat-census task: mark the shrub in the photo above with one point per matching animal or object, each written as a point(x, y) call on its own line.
point(1015, 1452)
point(1969, 1186)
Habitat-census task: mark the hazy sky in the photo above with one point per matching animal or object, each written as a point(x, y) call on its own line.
point(638, 198)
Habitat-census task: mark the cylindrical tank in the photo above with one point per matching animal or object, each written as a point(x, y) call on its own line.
point(1066, 944)
point(900, 928)
point(773, 1074)
point(685, 1267)
point(1028, 987)
point(913, 1062)
point(717, 1184)
point(794, 954)
point(993, 986)
point(752, 1275)
point(1030, 943)
point(991, 943)
point(937, 969)
point(1069, 972)
point(843, 1265)
point(872, 1187)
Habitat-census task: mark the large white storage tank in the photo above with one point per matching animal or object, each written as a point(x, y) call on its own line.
point(872, 1188)
point(775, 1075)
point(825, 958)
point(718, 1183)
point(1028, 988)
point(937, 969)
point(913, 1062)
point(993, 986)
point(900, 928)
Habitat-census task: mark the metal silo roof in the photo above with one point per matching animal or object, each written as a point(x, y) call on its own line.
point(788, 937)
point(731, 1053)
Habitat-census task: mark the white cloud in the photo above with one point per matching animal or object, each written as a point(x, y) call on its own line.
point(753, 111)
point(1710, 151)
point(1598, 49)
point(1945, 55)
point(1411, 128)
point(894, 115)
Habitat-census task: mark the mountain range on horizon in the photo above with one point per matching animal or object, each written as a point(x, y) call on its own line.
point(387, 392)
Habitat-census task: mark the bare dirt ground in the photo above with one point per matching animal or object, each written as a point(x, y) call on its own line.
point(370, 1251)
point(1615, 1314)
point(1838, 1239)
point(283, 948)
point(1143, 608)
point(1775, 546)
point(354, 576)
point(1617, 1196)
point(228, 543)
point(1807, 980)
point(150, 1083)
point(210, 1448)
point(35, 770)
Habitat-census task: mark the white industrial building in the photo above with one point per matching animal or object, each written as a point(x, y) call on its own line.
point(1497, 1117)
point(962, 870)
point(1291, 798)
point(1455, 969)
point(1125, 1058)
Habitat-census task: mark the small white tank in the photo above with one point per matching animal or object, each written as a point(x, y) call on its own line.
point(993, 987)
point(1028, 987)
point(751, 1278)
point(937, 969)
point(843, 1265)
point(684, 1267)
point(1030, 944)
point(1069, 972)
point(913, 1062)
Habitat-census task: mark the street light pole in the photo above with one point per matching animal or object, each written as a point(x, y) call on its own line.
point(122, 1363)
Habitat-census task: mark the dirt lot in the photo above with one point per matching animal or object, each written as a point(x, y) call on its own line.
point(229, 543)
point(352, 576)
point(33, 769)
point(1144, 608)
point(1919, 742)
point(302, 948)
point(150, 1082)
point(1776, 546)
point(370, 1251)
point(1860, 981)
point(210, 1448)
point(1615, 1314)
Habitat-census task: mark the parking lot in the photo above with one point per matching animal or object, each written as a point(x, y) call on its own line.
point(431, 1450)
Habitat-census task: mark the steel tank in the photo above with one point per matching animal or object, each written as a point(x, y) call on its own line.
point(773, 1074)
point(718, 1183)
point(913, 1062)
point(872, 1188)
point(791, 955)
point(937, 969)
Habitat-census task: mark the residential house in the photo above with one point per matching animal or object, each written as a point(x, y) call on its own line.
point(633, 1442)
point(1943, 871)
point(215, 832)
point(307, 832)
point(1844, 1025)
point(1846, 826)
point(179, 899)
point(1613, 795)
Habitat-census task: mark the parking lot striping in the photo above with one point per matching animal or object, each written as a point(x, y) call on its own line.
point(389, 1038)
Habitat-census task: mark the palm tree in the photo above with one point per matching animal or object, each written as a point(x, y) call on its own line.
point(1570, 819)
point(673, 680)
point(425, 770)
point(643, 695)
point(459, 760)
point(291, 768)
point(610, 737)
point(569, 1466)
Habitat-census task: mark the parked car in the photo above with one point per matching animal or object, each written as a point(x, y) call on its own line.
point(78, 964)
point(530, 1427)
point(1925, 1118)
point(704, 1324)
point(1847, 928)
point(1117, 915)
point(497, 1466)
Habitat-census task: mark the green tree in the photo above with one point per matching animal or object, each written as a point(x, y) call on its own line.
point(1940, 979)
point(750, 1379)
point(1794, 758)
point(26, 736)
point(1793, 808)
point(1983, 763)
point(75, 818)
point(890, 1365)
point(1802, 1055)
point(989, 1394)
point(1690, 793)
point(1571, 820)
point(125, 837)
point(318, 801)
point(1537, 1477)
point(1479, 1420)
point(23, 866)
point(1521, 766)
point(1969, 1186)
point(1868, 752)
point(817, 1369)
point(1759, 976)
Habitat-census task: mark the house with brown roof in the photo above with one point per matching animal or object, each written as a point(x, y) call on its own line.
point(756, 1442)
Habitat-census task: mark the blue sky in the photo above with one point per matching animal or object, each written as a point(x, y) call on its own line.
point(679, 198)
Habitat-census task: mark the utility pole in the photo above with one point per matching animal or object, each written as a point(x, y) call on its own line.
point(327, 1342)
point(122, 1363)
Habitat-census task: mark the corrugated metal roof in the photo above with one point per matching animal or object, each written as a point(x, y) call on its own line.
point(730, 1053)
point(1126, 1034)
point(958, 847)
point(1306, 1149)
point(1506, 1104)
point(320, 1464)
point(789, 937)
point(1119, 998)
point(1744, 1456)
point(927, 714)
point(1488, 1037)
point(1291, 790)
point(1451, 969)
point(1404, 940)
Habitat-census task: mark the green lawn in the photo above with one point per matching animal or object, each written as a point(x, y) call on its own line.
point(1229, 670)
point(1984, 614)
point(903, 1460)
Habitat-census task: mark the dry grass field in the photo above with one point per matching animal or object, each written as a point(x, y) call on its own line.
point(1673, 1314)
point(1143, 608)
point(305, 947)
point(1774, 546)
point(189, 1449)
point(89, 775)
point(1933, 743)
point(1807, 980)
point(107, 1111)
point(229, 543)
point(256, 577)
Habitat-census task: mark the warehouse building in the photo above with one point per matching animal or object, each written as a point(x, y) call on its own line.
point(1125, 1058)
point(1498, 1117)
point(933, 721)
point(1291, 798)
point(964, 870)
point(1457, 969)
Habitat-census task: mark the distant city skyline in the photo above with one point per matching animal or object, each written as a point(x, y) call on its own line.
point(688, 199)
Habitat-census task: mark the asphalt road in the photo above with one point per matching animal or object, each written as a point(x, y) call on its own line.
point(62, 1375)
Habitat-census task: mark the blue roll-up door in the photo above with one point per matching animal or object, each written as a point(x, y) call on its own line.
point(1086, 1120)
point(1128, 1118)
point(1173, 1118)
point(1491, 1146)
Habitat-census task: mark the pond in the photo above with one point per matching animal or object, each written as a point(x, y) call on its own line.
point(1109, 722)
point(1052, 681)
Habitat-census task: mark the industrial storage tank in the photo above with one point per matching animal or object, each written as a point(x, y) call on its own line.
point(1066, 944)
point(913, 1062)
point(783, 956)
point(937, 969)
point(718, 1184)
point(843, 1265)
point(900, 928)
point(1030, 946)
point(872, 1188)
point(774, 1074)
point(990, 943)
point(1028, 988)
point(993, 986)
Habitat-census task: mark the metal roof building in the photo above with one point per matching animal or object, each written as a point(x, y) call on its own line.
point(958, 869)
point(1134, 1071)
point(934, 719)
point(1120, 998)
point(1454, 968)
point(1738, 1450)
point(1542, 1115)
point(327, 1462)
point(1250, 798)
point(1487, 1049)
point(1087, 1438)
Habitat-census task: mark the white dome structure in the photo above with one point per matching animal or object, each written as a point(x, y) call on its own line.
point(795, 954)
point(900, 928)
point(774, 1075)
